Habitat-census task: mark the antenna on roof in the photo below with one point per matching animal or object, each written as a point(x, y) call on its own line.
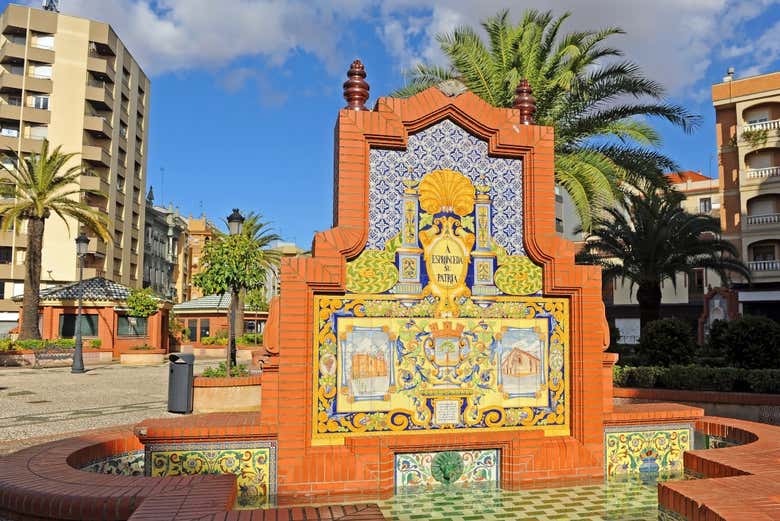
point(51, 5)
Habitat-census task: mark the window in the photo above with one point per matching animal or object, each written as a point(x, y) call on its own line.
point(697, 286)
point(558, 225)
point(705, 205)
point(123, 130)
point(89, 325)
point(6, 254)
point(204, 328)
point(44, 41)
point(120, 183)
point(131, 326)
point(40, 102)
point(39, 131)
point(14, 100)
point(2, 289)
point(764, 252)
point(9, 131)
point(41, 71)
point(192, 326)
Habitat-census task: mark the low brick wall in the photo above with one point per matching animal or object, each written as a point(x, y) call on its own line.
point(26, 358)
point(143, 357)
point(762, 408)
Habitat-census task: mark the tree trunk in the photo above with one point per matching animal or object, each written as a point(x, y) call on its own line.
point(32, 279)
point(649, 297)
point(240, 313)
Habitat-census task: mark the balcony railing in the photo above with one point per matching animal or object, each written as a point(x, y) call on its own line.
point(770, 265)
point(761, 173)
point(764, 125)
point(772, 218)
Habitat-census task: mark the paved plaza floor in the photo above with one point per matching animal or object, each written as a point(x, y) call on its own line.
point(39, 405)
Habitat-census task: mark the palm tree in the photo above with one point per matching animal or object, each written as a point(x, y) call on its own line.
point(652, 239)
point(595, 107)
point(42, 185)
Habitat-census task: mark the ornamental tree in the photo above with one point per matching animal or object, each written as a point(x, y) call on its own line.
point(141, 303)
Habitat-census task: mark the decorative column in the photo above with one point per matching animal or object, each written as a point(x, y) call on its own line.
point(409, 255)
point(483, 256)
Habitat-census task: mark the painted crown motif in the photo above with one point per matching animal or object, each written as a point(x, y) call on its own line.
point(445, 330)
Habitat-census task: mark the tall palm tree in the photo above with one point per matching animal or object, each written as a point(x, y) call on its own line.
point(42, 185)
point(259, 231)
point(651, 239)
point(594, 100)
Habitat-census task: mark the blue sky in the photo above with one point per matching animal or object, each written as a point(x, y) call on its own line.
point(245, 93)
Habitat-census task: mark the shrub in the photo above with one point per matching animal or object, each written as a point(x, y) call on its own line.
point(142, 348)
point(6, 344)
point(697, 378)
point(250, 339)
point(665, 342)
point(214, 341)
point(95, 343)
point(751, 342)
point(221, 371)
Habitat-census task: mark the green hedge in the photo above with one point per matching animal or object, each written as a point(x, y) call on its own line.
point(6, 344)
point(697, 378)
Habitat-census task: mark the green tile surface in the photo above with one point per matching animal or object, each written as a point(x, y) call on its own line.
point(630, 501)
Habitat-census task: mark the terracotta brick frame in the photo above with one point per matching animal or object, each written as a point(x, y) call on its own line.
point(366, 464)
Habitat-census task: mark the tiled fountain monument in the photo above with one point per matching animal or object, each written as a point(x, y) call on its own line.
point(440, 332)
point(439, 339)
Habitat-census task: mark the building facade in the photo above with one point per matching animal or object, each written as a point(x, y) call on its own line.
point(201, 231)
point(166, 266)
point(747, 119)
point(71, 80)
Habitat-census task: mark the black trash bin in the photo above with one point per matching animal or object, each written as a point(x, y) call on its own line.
point(180, 376)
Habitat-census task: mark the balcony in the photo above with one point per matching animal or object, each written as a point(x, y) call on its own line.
point(10, 80)
point(94, 183)
point(39, 84)
point(11, 271)
point(97, 246)
point(101, 67)
point(96, 155)
point(12, 142)
point(764, 125)
point(98, 125)
point(40, 54)
point(769, 265)
point(761, 173)
point(12, 52)
point(99, 94)
point(10, 237)
point(90, 273)
point(773, 218)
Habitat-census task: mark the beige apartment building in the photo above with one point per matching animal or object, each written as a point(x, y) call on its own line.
point(747, 118)
point(71, 80)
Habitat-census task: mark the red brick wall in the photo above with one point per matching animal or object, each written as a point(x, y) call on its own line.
point(365, 464)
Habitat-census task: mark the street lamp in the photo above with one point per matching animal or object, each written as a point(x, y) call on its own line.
point(82, 242)
point(235, 222)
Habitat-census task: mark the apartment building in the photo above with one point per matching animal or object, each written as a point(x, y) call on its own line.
point(166, 252)
point(71, 80)
point(747, 119)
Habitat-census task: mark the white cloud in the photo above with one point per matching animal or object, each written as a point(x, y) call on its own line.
point(675, 41)
point(170, 35)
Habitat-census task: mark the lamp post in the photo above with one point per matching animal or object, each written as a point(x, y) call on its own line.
point(82, 242)
point(235, 222)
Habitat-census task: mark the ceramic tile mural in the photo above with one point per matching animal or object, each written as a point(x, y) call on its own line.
point(125, 464)
point(646, 449)
point(444, 146)
point(385, 367)
point(426, 470)
point(254, 464)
